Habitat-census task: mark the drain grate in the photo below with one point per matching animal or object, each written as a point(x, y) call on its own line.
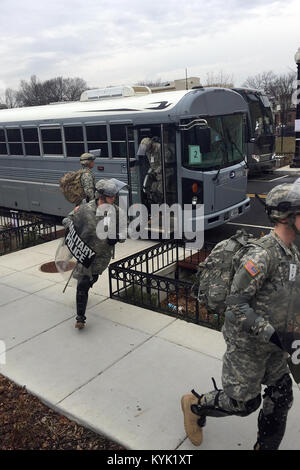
point(51, 267)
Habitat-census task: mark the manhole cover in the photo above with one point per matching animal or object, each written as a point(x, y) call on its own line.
point(51, 267)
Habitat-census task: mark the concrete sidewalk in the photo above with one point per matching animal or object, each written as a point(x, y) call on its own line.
point(124, 374)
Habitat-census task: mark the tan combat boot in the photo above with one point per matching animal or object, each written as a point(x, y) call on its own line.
point(80, 325)
point(192, 429)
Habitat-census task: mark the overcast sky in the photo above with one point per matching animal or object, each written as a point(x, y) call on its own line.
point(125, 41)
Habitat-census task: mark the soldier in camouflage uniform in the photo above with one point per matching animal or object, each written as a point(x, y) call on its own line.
point(87, 180)
point(86, 219)
point(151, 147)
point(254, 331)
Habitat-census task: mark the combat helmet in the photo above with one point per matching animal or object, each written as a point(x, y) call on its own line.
point(283, 202)
point(105, 188)
point(144, 146)
point(87, 158)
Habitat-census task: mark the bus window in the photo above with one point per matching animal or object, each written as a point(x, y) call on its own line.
point(74, 140)
point(15, 141)
point(52, 141)
point(118, 140)
point(96, 135)
point(3, 148)
point(31, 141)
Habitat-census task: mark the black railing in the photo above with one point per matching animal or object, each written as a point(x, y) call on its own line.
point(160, 278)
point(20, 230)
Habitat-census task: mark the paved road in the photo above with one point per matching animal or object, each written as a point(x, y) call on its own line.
point(256, 220)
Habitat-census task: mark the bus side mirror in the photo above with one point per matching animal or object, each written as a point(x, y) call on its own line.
point(204, 139)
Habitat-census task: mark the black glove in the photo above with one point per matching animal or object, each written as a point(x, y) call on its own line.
point(275, 340)
point(112, 241)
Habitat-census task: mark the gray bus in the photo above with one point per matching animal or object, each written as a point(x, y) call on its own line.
point(259, 132)
point(200, 132)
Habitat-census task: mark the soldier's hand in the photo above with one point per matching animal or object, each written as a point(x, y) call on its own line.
point(112, 241)
point(276, 340)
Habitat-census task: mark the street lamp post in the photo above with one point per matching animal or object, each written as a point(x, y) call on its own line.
point(296, 160)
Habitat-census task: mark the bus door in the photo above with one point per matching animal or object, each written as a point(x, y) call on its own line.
point(157, 164)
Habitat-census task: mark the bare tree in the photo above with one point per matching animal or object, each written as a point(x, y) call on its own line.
point(31, 93)
point(34, 92)
point(278, 88)
point(261, 81)
point(152, 83)
point(219, 79)
point(10, 98)
point(64, 89)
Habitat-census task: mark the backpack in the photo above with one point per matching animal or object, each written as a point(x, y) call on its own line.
point(216, 272)
point(70, 185)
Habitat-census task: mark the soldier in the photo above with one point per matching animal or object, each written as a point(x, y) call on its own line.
point(86, 219)
point(255, 330)
point(87, 180)
point(153, 184)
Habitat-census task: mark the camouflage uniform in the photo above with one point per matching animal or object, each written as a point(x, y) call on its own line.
point(263, 294)
point(250, 359)
point(256, 321)
point(86, 219)
point(87, 179)
point(153, 154)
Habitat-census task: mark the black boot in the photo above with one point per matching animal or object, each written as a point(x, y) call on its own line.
point(81, 303)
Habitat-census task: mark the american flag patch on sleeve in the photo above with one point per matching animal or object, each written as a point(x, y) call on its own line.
point(251, 268)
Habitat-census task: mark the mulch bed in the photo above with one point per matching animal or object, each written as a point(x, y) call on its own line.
point(27, 424)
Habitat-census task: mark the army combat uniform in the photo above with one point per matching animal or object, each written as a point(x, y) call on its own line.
point(88, 182)
point(153, 154)
point(87, 179)
point(87, 219)
point(261, 324)
point(261, 286)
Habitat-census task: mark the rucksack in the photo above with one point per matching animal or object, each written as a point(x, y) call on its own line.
point(216, 272)
point(70, 185)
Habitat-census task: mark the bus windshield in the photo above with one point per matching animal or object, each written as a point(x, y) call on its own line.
point(260, 114)
point(226, 144)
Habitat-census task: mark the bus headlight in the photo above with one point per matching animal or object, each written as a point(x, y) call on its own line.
point(192, 191)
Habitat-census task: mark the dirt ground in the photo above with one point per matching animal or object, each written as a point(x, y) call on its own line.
point(27, 424)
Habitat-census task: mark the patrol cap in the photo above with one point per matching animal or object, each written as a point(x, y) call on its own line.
point(87, 158)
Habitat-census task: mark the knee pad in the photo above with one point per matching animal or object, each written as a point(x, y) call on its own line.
point(279, 395)
point(278, 399)
point(247, 407)
point(219, 404)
